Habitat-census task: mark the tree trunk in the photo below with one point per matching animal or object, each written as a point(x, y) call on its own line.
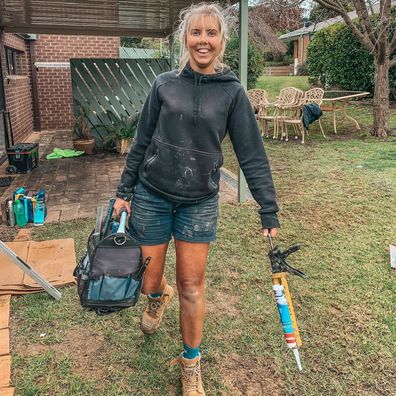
point(381, 99)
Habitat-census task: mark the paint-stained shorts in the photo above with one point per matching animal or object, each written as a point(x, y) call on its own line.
point(155, 219)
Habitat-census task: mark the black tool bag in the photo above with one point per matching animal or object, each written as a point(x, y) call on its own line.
point(110, 275)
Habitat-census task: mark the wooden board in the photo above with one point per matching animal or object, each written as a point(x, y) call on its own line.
point(9, 391)
point(54, 260)
point(5, 371)
point(4, 342)
point(5, 311)
point(10, 274)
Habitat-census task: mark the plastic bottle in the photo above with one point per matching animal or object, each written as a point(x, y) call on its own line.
point(39, 213)
point(19, 211)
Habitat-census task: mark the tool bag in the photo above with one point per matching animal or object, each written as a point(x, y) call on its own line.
point(110, 275)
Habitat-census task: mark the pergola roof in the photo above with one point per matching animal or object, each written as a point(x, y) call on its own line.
point(150, 18)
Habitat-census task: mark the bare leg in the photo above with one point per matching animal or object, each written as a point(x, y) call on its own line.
point(190, 277)
point(154, 280)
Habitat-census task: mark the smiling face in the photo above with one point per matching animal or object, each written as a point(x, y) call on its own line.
point(204, 43)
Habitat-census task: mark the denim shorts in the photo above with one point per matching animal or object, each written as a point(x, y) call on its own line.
point(155, 219)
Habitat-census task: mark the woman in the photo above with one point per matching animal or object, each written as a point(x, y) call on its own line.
point(172, 175)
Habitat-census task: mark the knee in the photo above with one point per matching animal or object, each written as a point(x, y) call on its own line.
point(191, 290)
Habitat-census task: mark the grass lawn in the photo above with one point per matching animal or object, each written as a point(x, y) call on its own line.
point(360, 110)
point(338, 199)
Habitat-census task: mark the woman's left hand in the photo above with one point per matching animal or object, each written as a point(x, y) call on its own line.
point(269, 231)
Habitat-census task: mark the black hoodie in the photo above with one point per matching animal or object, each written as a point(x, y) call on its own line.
point(177, 149)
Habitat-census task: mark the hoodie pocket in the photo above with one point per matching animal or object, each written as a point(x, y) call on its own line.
point(181, 172)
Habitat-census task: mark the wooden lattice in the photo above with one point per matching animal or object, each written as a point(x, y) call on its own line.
point(119, 86)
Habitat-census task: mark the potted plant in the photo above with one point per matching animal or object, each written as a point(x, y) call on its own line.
point(121, 131)
point(82, 132)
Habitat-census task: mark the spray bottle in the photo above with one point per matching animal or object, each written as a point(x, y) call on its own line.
point(19, 211)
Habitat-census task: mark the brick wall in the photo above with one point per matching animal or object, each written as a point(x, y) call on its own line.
point(18, 90)
point(54, 83)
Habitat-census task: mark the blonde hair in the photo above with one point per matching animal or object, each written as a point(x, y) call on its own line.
point(187, 15)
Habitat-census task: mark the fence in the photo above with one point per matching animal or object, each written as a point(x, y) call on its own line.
point(119, 86)
point(278, 70)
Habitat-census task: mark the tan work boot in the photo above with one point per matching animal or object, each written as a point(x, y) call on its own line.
point(154, 312)
point(190, 376)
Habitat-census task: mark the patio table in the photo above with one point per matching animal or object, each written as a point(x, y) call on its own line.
point(338, 101)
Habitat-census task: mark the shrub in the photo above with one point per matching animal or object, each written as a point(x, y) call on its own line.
point(302, 70)
point(336, 58)
point(255, 60)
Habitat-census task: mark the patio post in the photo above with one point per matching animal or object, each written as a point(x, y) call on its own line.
point(172, 51)
point(243, 55)
point(2, 92)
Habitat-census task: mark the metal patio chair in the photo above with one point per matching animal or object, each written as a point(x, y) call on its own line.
point(295, 113)
point(289, 96)
point(258, 98)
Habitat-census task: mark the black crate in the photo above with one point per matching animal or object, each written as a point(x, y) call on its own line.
point(24, 156)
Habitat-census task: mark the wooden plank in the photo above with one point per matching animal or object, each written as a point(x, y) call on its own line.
point(142, 81)
point(5, 311)
point(4, 342)
point(147, 71)
point(94, 119)
point(89, 89)
point(132, 86)
point(48, 257)
point(5, 371)
point(9, 391)
point(153, 64)
point(54, 260)
point(90, 99)
point(114, 78)
point(141, 78)
point(164, 64)
point(111, 91)
point(10, 274)
point(139, 87)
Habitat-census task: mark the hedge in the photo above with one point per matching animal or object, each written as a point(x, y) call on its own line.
point(337, 59)
point(255, 60)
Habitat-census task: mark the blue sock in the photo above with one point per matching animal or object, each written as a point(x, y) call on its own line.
point(155, 295)
point(191, 353)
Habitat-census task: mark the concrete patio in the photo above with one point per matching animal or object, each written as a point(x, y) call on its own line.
point(75, 187)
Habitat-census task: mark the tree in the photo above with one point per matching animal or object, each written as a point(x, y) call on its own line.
point(319, 13)
point(379, 38)
point(261, 32)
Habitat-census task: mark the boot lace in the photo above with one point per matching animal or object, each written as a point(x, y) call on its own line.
point(191, 375)
point(153, 307)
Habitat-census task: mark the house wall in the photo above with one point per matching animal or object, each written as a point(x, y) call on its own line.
point(300, 49)
point(18, 88)
point(52, 57)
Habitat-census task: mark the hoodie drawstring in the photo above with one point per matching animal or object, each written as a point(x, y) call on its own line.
point(197, 97)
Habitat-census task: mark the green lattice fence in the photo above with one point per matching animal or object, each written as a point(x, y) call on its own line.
point(119, 86)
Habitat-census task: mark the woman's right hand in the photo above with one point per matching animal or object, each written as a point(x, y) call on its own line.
point(120, 204)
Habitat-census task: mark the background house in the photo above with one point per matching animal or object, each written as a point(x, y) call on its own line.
point(35, 70)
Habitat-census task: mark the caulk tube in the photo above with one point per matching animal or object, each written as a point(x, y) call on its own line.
point(286, 321)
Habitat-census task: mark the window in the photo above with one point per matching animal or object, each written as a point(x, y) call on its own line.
point(14, 61)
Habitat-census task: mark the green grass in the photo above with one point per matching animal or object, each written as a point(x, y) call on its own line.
point(337, 198)
point(346, 129)
point(273, 84)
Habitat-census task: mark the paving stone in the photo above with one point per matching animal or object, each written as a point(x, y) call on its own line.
point(75, 187)
point(69, 206)
point(87, 213)
point(69, 214)
point(53, 216)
